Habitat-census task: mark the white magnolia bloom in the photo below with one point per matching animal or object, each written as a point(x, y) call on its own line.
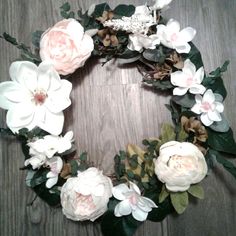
point(36, 96)
point(209, 106)
point(36, 161)
point(188, 79)
point(86, 196)
point(55, 164)
point(138, 23)
point(171, 36)
point(160, 4)
point(51, 144)
point(179, 165)
point(139, 41)
point(132, 202)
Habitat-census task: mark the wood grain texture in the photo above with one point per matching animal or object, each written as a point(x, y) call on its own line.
point(110, 109)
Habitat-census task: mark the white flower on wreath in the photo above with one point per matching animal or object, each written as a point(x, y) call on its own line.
point(160, 4)
point(36, 96)
point(179, 165)
point(139, 41)
point(55, 164)
point(132, 202)
point(209, 106)
point(36, 161)
point(86, 196)
point(188, 79)
point(51, 144)
point(171, 36)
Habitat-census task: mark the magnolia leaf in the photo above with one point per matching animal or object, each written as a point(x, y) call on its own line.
point(197, 191)
point(222, 142)
point(164, 194)
point(179, 201)
point(124, 10)
point(29, 177)
point(155, 55)
point(220, 126)
point(100, 8)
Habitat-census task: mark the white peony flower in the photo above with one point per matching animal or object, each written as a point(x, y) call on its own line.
point(188, 79)
point(171, 36)
point(160, 4)
point(179, 165)
point(51, 144)
point(36, 161)
point(139, 41)
point(55, 165)
point(209, 106)
point(36, 96)
point(86, 196)
point(132, 202)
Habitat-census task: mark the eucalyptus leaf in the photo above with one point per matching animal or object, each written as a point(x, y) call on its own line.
point(197, 191)
point(220, 126)
point(187, 100)
point(179, 201)
point(164, 194)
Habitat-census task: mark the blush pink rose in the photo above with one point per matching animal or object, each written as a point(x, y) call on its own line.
point(66, 46)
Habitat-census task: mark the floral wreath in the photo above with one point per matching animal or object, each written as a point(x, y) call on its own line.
point(147, 183)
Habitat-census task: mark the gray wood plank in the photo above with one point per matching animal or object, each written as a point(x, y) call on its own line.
point(111, 109)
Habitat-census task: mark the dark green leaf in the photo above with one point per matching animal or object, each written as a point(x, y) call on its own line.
point(124, 10)
point(164, 194)
point(9, 39)
point(222, 142)
point(83, 156)
point(220, 126)
point(36, 36)
point(188, 100)
point(100, 8)
point(39, 177)
point(218, 72)
point(74, 167)
point(65, 6)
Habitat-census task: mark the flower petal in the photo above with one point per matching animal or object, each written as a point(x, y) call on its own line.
point(196, 108)
point(187, 34)
point(123, 208)
point(208, 96)
point(205, 119)
point(139, 215)
point(135, 188)
point(180, 91)
point(176, 79)
point(173, 26)
point(119, 191)
point(53, 123)
point(214, 115)
point(51, 182)
point(199, 75)
point(183, 48)
point(24, 73)
point(189, 68)
point(219, 107)
point(197, 89)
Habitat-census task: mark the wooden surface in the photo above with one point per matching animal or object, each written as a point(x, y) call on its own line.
point(110, 109)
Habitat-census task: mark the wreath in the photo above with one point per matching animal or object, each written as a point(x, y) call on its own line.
point(150, 182)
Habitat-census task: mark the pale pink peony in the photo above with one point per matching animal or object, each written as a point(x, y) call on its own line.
point(86, 196)
point(66, 46)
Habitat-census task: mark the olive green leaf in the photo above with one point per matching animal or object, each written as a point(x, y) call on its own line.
point(197, 191)
point(179, 201)
point(164, 194)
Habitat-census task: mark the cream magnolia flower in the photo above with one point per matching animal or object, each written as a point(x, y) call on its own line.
point(36, 96)
point(139, 41)
point(55, 164)
point(179, 165)
point(171, 36)
point(188, 79)
point(86, 196)
point(209, 106)
point(66, 46)
point(132, 202)
point(51, 144)
point(160, 4)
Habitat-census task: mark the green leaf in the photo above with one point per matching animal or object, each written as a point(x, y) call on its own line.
point(218, 72)
point(164, 194)
point(197, 191)
point(100, 8)
point(74, 167)
point(10, 39)
point(188, 100)
point(167, 133)
point(39, 177)
point(83, 156)
point(36, 36)
point(194, 55)
point(179, 201)
point(220, 126)
point(124, 10)
point(155, 55)
point(222, 142)
point(65, 6)
point(229, 166)
point(182, 135)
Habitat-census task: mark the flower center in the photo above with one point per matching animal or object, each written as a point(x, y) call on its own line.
point(133, 199)
point(174, 37)
point(206, 106)
point(189, 81)
point(39, 97)
point(84, 203)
